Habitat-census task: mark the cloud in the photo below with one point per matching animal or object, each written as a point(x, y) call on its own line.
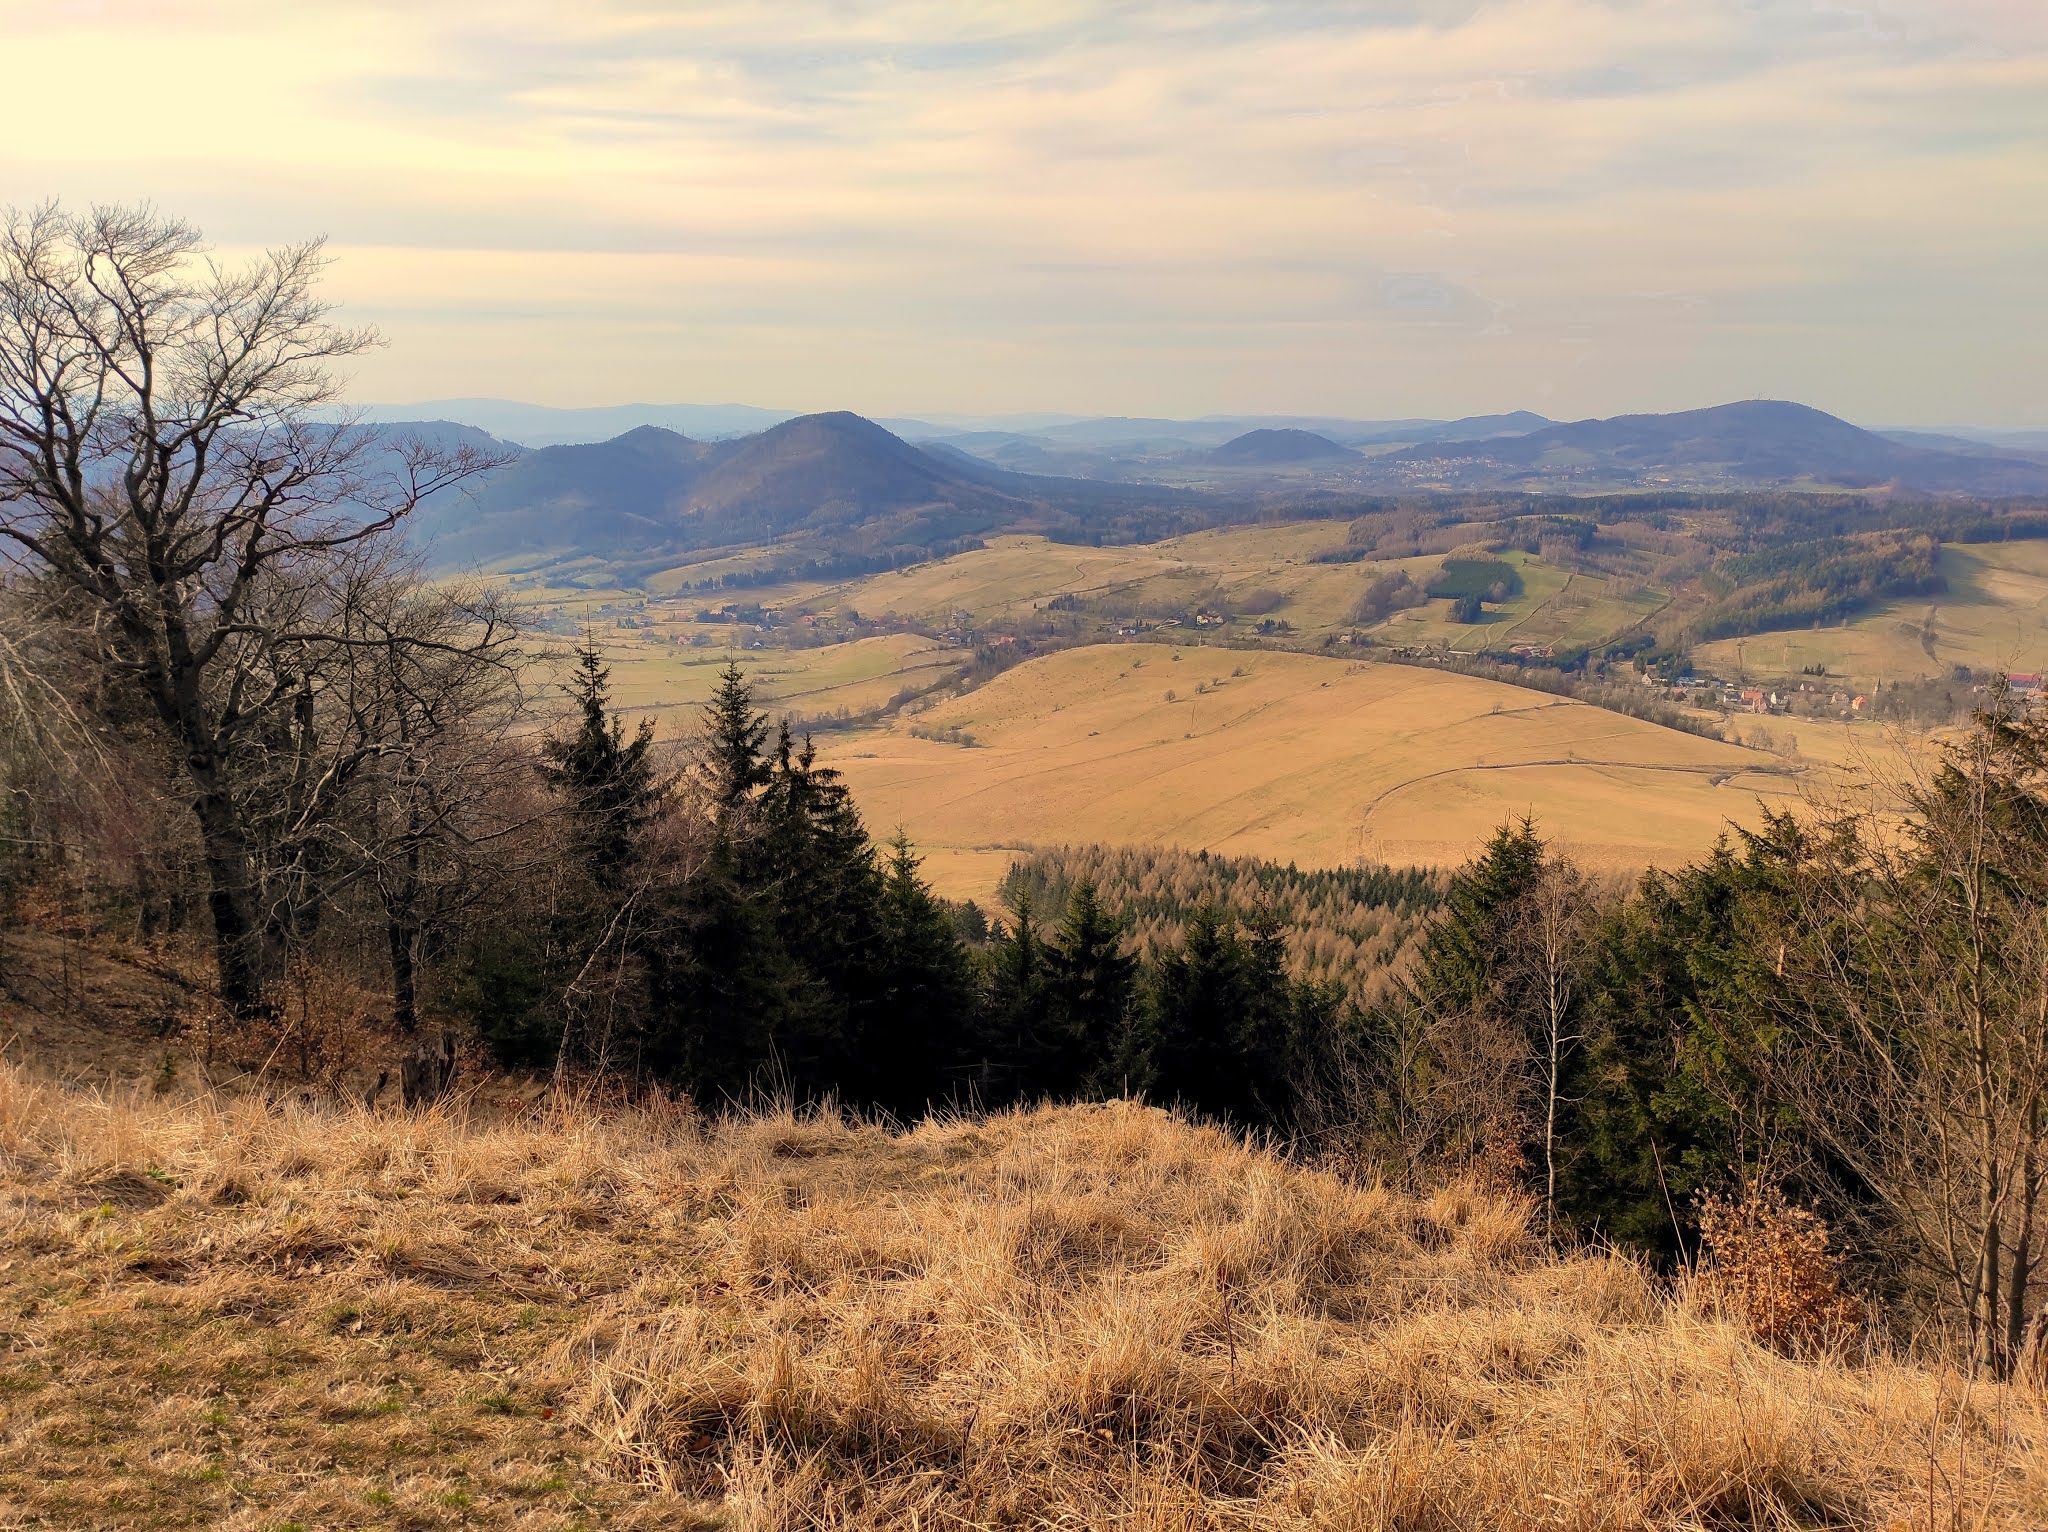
point(1138, 206)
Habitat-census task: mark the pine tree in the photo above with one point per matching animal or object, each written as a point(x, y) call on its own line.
point(809, 861)
point(607, 779)
point(1266, 1022)
point(1197, 1001)
point(722, 990)
point(1460, 956)
point(1649, 1135)
point(1222, 1018)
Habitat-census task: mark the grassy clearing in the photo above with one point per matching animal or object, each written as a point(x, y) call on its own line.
point(1293, 758)
point(228, 1313)
point(1014, 575)
point(1431, 624)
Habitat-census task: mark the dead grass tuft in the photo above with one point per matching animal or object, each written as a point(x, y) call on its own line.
point(1086, 1316)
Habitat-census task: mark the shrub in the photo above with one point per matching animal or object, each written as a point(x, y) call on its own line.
point(1768, 1266)
point(1386, 595)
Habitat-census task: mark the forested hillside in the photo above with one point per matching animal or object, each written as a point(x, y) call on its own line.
point(1349, 926)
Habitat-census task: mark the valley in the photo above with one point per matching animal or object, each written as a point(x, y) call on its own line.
point(1218, 691)
point(847, 767)
point(1287, 757)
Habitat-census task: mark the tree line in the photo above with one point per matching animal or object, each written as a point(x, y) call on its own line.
point(731, 928)
point(1806, 584)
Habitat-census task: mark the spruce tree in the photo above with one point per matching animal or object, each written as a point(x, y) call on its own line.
point(916, 1036)
point(734, 763)
point(1266, 1022)
point(1013, 1020)
point(1460, 956)
point(1197, 1002)
point(810, 863)
point(606, 779)
point(1092, 981)
point(722, 990)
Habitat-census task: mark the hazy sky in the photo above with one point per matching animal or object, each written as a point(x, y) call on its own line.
point(1390, 207)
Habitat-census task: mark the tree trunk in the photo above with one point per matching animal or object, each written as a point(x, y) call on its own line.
point(404, 939)
point(427, 1070)
point(2023, 1247)
point(1990, 1347)
point(1550, 1132)
point(402, 926)
point(249, 956)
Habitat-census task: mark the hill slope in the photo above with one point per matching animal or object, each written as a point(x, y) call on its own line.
point(830, 471)
point(652, 490)
point(227, 1313)
point(1296, 759)
point(1273, 448)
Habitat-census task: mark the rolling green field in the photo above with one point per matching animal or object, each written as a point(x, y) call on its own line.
point(1994, 616)
point(1266, 569)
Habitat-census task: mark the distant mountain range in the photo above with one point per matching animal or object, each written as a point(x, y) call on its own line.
point(537, 425)
point(831, 486)
point(1755, 442)
point(838, 489)
point(540, 425)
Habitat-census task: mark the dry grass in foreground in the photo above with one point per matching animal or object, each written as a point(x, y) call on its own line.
point(223, 1313)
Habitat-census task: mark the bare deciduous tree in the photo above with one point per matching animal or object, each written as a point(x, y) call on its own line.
point(426, 682)
point(1917, 1055)
point(1547, 956)
point(163, 452)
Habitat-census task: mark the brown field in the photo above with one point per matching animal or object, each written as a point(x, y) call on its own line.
point(1296, 758)
point(1303, 758)
point(230, 1313)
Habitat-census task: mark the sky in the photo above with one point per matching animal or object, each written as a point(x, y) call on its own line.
point(1375, 209)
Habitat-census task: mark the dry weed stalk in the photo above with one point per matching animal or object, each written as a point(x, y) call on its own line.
point(538, 1315)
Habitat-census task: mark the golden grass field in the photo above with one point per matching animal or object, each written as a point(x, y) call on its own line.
point(1994, 616)
point(1291, 757)
point(652, 676)
point(232, 1313)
